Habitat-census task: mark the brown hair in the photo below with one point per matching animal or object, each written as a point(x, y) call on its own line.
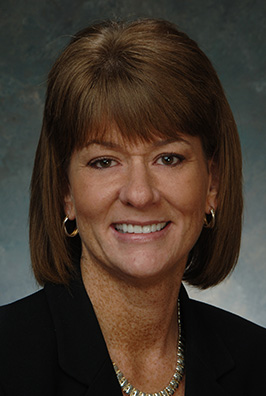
point(149, 79)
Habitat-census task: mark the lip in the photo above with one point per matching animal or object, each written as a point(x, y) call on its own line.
point(141, 222)
point(142, 237)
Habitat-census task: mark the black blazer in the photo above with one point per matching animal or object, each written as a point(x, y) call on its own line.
point(51, 344)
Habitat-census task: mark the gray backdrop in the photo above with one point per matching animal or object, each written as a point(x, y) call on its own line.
point(231, 32)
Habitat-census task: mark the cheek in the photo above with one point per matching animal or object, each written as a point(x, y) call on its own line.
point(190, 209)
point(189, 192)
point(92, 203)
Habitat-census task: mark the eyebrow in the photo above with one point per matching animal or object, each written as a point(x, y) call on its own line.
point(155, 144)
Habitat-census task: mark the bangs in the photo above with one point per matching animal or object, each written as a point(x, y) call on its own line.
point(97, 85)
point(139, 109)
point(132, 110)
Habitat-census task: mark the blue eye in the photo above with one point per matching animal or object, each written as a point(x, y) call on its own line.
point(102, 163)
point(170, 159)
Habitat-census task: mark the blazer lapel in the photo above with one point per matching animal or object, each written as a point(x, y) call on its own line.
point(207, 358)
point(83, 355)
point(82, 352)
point(105, 382)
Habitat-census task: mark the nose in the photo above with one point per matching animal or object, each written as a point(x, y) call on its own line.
point(138, 189)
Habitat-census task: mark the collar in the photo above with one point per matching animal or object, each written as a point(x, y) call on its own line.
point(207, 356)
point(82, 352)
point(83, 355)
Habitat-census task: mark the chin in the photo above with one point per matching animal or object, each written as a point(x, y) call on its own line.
point(144, 271)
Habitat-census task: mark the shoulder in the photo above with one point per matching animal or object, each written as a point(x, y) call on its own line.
point(24, 321)
point(229, 322)
point(244, 339)
point(27, 340)
point(224, 350)
point(23, 314)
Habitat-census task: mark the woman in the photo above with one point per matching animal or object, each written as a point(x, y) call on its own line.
point(136, 187)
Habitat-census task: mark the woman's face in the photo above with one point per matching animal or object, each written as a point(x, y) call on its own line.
point(139, 207)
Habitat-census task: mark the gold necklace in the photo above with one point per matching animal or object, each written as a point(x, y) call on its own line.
point(170, 389)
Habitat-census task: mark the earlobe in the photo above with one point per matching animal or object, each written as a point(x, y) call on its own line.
point(69, 207)
point(213, 188)
point(211, 202)
point(209, 221)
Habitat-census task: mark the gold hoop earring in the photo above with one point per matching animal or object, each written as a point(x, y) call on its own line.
point(211, 223)
point(73, 233)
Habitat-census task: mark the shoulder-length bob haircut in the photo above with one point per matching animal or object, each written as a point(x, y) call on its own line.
point(150, 80)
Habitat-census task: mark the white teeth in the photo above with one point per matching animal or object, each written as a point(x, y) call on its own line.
point(146, 229)
point(153, 228)
point(124, 228)
point(130, 228)
point(138, 229)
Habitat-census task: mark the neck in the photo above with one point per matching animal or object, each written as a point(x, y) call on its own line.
point(134, 316)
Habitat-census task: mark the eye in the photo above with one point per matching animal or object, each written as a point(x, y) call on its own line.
point(170, 159)
point(102, 163)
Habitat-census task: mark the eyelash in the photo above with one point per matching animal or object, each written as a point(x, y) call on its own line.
point(95, 163)
point(179, 159)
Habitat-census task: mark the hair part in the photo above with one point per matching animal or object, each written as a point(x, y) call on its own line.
point(150, 80)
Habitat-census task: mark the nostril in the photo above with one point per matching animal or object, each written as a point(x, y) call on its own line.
point(138, 196)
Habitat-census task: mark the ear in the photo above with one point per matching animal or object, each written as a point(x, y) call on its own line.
point(213, 187)
point(69, 206)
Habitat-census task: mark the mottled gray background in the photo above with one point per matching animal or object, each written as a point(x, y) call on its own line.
point(231, 32)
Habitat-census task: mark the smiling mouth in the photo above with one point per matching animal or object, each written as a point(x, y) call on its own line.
point(138, 229)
